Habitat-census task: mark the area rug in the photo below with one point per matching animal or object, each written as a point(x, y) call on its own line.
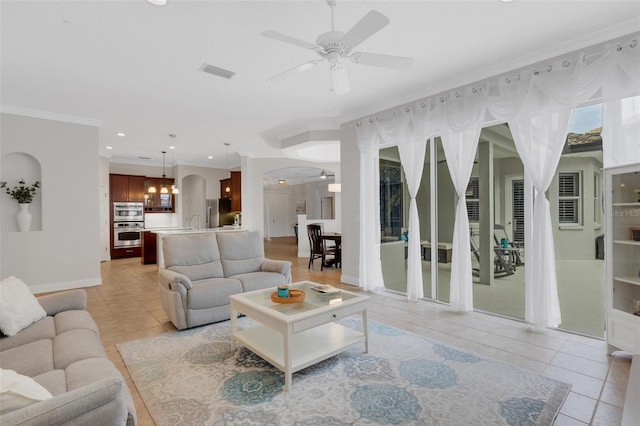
point(192, 377)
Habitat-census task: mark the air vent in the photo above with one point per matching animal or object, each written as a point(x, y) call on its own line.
point(145, 158)
point(220, 72)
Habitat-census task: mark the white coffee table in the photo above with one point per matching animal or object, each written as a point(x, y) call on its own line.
point(294, 336)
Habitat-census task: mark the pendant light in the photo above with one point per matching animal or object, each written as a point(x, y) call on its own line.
point(163, 189)
point(228, 187)
point(174, 188)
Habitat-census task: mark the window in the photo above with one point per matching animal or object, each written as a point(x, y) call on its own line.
point(391, 207)
point(569, 201)
point(473, 200)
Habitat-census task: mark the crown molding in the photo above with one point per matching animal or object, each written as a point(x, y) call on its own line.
point(28, 112)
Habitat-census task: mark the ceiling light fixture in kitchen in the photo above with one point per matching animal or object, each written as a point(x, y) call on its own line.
point(228, 187)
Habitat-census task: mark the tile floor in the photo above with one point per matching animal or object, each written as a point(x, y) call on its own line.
point(127, 307)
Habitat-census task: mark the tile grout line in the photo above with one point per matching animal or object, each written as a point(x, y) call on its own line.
point(604, 383)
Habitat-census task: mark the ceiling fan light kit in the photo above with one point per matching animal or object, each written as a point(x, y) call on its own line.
point(334, 46)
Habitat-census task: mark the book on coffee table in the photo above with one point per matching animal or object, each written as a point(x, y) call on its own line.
point(325, 290)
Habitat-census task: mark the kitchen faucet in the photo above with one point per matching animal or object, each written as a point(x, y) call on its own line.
point(191, 218)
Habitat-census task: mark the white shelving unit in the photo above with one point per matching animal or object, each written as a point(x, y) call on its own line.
point(622, 255)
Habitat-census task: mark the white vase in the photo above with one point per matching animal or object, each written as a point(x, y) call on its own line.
point(24, 217)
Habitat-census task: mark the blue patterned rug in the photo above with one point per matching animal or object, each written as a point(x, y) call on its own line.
point(192, 377)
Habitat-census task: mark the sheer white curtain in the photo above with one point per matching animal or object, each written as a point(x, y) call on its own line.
point(541, 102)
point(621, 118)
point(539, 139)
point(412, 151)
point(370, 270)
point(460, 136)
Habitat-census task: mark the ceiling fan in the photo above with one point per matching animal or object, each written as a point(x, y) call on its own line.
point(336, 46)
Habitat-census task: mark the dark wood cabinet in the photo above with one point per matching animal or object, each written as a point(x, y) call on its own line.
point(158, 202)
point(224, 184)
point(149, 248)
point(126, 188)
point(236, 192)
point(234, 183)
point(125, 252)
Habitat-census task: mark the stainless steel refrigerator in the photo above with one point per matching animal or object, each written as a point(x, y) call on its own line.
point(219, 213)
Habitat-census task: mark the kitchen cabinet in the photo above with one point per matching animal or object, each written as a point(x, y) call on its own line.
point(149, 248)
point(158, 202)
point(126, 188)
point(224, 184)
point(125, 252)
point(622, 257)
point(234, 183)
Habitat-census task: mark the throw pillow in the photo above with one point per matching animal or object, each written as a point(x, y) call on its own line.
point(18, 307)
point(18, 391)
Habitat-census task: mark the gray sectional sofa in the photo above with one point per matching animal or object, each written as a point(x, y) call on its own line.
point(199, 271)
point(63, 353)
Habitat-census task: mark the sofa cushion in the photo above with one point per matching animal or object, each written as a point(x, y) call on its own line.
point(260, 280)
point(240, 252)
point(48, 327)
point(194, 255)
point(19, 308)
point(18, 391)
point(55, 381)
point(74, 320)
point(212, 292)
point(75, 345)
point(29, 359)
point(43, 329)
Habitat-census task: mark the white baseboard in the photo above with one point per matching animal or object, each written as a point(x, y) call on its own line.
point(65, 285)
point(350, 280)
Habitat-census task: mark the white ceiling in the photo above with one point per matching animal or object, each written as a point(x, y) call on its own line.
point(132, 67)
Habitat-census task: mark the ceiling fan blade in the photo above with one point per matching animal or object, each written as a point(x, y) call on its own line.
point(384, 61)
point(370, 24)
point(301, 67)
point(288, 39)
point(339, 80)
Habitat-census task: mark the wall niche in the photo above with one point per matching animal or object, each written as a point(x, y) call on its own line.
point(16, 166)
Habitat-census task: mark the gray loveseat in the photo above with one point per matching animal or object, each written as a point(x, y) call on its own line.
point(200, 271)
point(64, 354)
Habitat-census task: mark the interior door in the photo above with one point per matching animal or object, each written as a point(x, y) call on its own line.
point(279, 215)
point(326, 208)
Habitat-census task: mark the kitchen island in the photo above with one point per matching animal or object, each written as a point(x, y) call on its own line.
point(148, 250)
point(158, 233)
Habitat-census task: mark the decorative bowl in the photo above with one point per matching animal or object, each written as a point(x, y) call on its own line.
point(295, 296)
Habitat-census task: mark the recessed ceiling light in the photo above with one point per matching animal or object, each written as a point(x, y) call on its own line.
point(158, 2)
point(210, 157)
point(172, 147)
point(121, 134)
point(109, 147)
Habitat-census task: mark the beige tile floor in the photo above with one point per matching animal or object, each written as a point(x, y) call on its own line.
point(127, 307)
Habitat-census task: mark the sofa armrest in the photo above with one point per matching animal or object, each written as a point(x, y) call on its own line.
point(66, 407)
point(169, 279)
point(280, 266)
point(59, 302)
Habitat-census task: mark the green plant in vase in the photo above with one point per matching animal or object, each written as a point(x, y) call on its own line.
point(22, 193)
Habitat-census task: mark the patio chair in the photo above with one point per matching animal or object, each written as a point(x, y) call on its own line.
point(502, 266)
point(499, 233)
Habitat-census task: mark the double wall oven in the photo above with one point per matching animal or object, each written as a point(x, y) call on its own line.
point(128, 224)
